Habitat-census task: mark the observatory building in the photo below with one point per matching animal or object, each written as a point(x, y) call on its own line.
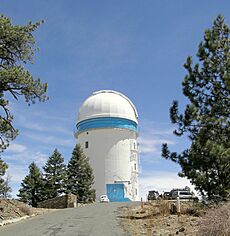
point(107, 132)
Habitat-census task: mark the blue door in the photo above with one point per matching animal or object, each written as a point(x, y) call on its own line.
point(116, 192)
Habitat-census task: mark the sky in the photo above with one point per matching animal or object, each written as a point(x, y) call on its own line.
point(135, 47)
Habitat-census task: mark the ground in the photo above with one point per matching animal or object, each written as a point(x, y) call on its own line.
point(118, 219)
point(11, 209)
point(98, 219)
point(155, 219)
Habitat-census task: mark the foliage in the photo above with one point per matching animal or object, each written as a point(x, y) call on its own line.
point(206, 118)
point(55, 176)
point(80, 176)
point(17, 47)
point(32, 186)
point(5, 188)
point(3, 183)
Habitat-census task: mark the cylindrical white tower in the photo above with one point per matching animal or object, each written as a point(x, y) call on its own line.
point(107, 132)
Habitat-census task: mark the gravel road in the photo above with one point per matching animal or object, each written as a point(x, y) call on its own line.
point(99, 219)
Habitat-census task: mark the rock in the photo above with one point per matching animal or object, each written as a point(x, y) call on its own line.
point(173, 209)
point(143, 232)
point(190, 211)
point(182, 229)
point(168, 224)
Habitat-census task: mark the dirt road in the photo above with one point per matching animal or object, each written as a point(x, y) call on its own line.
point(99, 219)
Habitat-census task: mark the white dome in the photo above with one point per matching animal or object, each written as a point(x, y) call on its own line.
point(107, 103)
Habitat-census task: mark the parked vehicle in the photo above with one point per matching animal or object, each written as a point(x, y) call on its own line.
point(183, 194)
point(153, 195)
point(104, 198)
point(167, 195)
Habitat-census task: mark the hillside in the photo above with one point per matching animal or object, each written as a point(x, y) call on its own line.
point(155, 219)
point(11, 209)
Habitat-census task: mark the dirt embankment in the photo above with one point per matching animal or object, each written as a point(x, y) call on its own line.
point(11, 209)
point(156, 219)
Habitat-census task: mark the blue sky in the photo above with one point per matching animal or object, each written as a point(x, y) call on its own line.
point(135, 47)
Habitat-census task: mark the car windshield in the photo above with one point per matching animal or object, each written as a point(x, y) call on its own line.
point(185, 193)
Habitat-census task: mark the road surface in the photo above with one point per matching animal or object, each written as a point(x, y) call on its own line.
point(99, 219)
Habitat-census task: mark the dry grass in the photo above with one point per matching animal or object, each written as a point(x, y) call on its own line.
point(155, 218)
point(10, 209)
point(160, 207)
point(216, 222)
point(25, 209)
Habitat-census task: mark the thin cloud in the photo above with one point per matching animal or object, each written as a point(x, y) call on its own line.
point(45, 128)
point(152, 136)
point(40, 158)
point(25, 158)
point(17, 173)
point(50, 139)
point(18, 164)
point(16, 148)
point(161, 181)
point(151, 145)
point(51, 117)
point(41, 125)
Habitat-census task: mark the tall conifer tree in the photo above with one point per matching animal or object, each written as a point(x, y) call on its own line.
point(80, 176)
point(17, 48)
point(31, 187)
point(5, 189)
point(206, 118)
point(55, 176)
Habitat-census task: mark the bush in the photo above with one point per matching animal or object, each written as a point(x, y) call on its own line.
point(216, 222)
point(25, 209)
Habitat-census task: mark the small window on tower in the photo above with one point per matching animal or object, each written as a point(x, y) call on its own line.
point(86, 144)
point(134, 146)
point(135, 166)
point(136, 191)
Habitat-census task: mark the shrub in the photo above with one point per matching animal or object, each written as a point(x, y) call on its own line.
point(25, 209)
point(216, 222)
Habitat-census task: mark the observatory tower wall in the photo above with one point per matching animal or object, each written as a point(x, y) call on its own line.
point(114, 158)
point(107, 132)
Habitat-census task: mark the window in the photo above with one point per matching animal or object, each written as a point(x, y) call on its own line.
point(86, 144)
point(136, 191)
point(135, 166)
point(134, 146)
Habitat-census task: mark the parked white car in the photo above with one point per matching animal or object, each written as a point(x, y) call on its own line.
point(183, 195)
point(104, 198)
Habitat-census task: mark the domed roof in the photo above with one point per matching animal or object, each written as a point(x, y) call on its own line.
point(107, 103)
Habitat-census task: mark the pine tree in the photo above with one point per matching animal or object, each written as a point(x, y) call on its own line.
point(5, 188)
point(206, 119)
point(54, 176)
point(17, 48)
point(3, 182)
point(31, 187)
point(80, 176)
